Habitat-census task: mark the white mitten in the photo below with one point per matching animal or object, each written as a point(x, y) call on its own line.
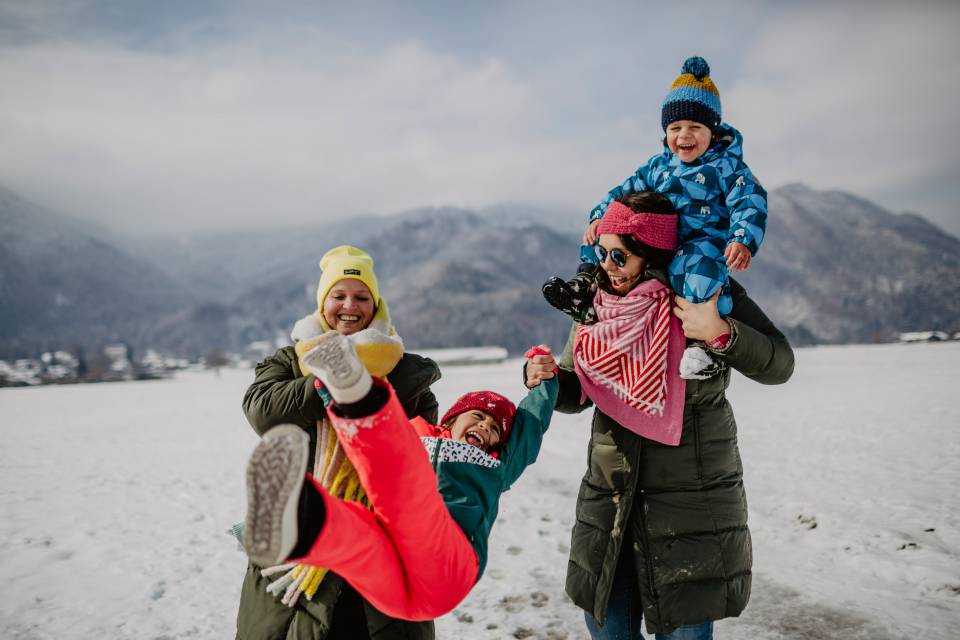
point(694, 361)
point(334, 361)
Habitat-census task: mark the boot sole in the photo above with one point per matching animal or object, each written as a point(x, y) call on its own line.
point(275, 476)
point(333, 357)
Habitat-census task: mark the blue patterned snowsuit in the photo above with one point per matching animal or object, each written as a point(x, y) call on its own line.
point(718, 201)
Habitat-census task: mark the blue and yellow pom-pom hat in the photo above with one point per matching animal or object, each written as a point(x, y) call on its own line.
point(692, 96)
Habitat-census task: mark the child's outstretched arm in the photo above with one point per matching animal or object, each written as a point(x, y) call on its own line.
point(746, 201)
point(638, 181)
point(532, 418)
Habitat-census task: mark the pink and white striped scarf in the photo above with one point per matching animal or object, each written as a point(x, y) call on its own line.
point(628, 361)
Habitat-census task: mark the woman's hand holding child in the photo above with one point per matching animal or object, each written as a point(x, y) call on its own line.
point(701, 321)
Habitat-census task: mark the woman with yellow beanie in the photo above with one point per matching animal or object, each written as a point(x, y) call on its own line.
point(294, 600)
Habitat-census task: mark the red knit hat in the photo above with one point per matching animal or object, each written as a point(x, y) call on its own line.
point(657, 230)
point(489, 402)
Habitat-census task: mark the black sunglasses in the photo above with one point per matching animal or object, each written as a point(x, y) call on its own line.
point(619, 256)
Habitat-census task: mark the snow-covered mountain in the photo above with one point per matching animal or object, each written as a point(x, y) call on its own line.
point(841, 269)
point(66, 283)
point(834, 268)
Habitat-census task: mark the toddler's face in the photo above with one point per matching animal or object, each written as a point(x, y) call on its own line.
point(477, 428)
point(688, 139)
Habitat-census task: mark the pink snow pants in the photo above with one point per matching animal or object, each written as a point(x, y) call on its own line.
point(407, 557)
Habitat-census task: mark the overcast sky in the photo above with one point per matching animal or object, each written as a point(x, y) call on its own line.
point(177, 116)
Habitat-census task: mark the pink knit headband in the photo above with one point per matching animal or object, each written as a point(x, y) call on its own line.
point(654, 229)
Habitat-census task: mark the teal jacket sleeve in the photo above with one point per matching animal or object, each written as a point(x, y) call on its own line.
point(526, 435)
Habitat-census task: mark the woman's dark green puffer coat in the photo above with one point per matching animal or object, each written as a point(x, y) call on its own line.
point(682, 508)
point(278, 395)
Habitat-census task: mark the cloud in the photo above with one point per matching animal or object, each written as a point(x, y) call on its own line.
point(242, 134)
point(861, 98)
point(180, 119)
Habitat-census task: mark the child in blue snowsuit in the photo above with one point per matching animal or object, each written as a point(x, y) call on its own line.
point(722, 208)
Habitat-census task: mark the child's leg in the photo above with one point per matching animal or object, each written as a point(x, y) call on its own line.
point(357, 544)
point(295, 518)
point(438, 565)
point(698, 271)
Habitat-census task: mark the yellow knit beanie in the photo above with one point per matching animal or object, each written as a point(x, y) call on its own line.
point(341, 263)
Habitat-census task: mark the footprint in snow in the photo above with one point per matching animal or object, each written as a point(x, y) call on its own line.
point(539, 599)
point(538, 572)
point(512, 604)
point(158, 590)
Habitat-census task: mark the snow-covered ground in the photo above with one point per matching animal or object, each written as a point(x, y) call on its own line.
point(114, 500)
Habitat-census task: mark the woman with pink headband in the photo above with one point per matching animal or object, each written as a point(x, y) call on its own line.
point(661, 530)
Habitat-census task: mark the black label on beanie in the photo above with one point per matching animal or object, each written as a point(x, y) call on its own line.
point(351, 272)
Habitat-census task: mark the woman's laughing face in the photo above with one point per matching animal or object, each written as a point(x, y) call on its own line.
point(622, 278)
point(348, 307)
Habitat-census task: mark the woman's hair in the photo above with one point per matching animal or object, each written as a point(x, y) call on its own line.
point(648, 202)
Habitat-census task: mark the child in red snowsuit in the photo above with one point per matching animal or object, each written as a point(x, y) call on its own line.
point(422, 547)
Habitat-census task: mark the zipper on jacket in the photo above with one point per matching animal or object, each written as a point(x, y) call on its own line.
point(646, 556)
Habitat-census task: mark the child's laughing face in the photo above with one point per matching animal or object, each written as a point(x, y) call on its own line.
point(687, 139)
point(477, 428)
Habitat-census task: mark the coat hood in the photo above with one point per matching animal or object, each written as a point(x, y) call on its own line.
point(729, 144)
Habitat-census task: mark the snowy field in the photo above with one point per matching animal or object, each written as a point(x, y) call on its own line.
point(115, 498)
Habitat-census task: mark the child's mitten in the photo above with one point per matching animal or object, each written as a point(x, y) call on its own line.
point(696, 364)
point(573, 297)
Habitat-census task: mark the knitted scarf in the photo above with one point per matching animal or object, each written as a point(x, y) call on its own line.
point(380, 349)
point(628, 361)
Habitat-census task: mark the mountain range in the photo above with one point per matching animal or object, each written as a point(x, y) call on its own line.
point(834, 268)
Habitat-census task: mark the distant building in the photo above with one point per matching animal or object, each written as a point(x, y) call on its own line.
point(60, 366)
point(923, 336)
point(465, 355)
point(119, 367)
point(21, 373)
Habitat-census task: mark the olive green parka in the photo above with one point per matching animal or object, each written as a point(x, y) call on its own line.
point(683, 508)
point(278, 395)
